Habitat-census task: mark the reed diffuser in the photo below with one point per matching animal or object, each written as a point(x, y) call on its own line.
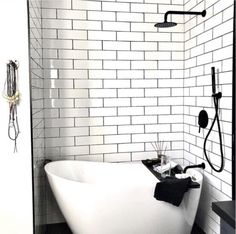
point(160, 148)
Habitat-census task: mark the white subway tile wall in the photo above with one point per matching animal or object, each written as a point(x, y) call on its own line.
point(100, 87)
point(102, 60)
point(208, 42)
point(37, 96)
point(105, 72)
point(113, 83)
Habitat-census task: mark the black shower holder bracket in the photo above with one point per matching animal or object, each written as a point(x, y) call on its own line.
point(217, 95)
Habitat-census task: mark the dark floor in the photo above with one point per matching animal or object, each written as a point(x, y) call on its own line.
point(59, 228)
point(197, 230)
point(62, 228)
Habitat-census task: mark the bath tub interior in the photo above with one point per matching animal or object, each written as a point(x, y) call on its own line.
point(100, 172)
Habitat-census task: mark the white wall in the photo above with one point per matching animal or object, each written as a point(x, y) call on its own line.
point(208, 42)
point(15, 169)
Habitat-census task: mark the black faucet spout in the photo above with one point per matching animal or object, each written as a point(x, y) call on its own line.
point(202, 165)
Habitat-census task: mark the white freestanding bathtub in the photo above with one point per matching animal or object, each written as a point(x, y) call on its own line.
point(117, 198)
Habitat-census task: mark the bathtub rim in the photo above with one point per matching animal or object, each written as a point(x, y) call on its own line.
point(192, 172)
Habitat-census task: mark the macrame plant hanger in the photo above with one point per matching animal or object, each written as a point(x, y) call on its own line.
point(11, 94)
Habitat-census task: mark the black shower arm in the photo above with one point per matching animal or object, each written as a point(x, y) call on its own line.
point(202, 13)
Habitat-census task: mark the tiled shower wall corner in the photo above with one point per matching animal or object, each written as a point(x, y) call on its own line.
point(208, 42)
point(36, 65)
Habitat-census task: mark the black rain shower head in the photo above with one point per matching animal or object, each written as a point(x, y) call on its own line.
point(167, 24)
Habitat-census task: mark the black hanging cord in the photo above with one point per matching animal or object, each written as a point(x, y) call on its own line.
point(11, 94)
point(216, 98)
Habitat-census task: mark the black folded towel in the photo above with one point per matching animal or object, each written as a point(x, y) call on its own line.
point(172, 190)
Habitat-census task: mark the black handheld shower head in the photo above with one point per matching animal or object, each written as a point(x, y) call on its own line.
point(213, 77)
point(167, 24)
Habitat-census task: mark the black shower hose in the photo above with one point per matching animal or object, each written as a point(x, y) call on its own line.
point(216, 98)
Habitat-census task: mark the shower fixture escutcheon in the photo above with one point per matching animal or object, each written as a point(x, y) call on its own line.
point(167, 24)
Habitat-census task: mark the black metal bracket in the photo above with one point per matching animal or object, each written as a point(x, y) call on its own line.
point(217, 95)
